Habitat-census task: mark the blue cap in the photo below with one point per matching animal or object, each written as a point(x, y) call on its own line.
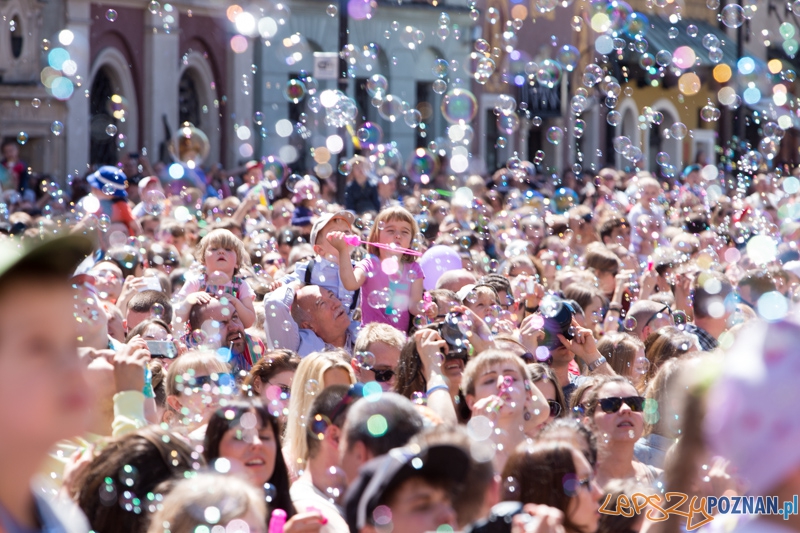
point(110, 180)
point(691, 168)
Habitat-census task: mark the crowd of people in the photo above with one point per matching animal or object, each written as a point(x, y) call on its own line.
point(501, 353)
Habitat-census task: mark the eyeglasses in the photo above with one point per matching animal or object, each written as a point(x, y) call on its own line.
point(507, 302)
point(612, 405)
point(381, 376)
point(666, 308)
point(555, 408)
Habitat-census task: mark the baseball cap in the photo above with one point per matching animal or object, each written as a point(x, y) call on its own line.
point(59, 255)
point(323, 220)
point(752, 406)
point(386, 472)
point(110, 178)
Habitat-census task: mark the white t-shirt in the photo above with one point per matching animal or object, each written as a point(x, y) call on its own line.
point(307, 497)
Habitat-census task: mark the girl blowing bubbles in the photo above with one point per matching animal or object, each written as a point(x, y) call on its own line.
point(222, 255)
point(392, 281)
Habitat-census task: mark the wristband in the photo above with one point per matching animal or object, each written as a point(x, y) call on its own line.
point(614, 309)
point(531, 309)
point(596, 364)
point(437, 387)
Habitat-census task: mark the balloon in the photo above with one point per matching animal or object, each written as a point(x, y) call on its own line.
point(436, 261)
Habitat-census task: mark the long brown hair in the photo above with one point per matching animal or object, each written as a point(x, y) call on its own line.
point(271, 364)
point(134, 464)
point(228, 418)
point(536, 474)
point(667, 343)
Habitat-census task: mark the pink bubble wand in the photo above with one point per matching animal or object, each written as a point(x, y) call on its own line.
point(354, 240)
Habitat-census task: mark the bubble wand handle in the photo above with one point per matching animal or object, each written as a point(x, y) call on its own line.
point(354, 240)
point(277, 521)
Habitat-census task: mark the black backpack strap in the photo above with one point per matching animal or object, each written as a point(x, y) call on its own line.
point(355, 299)
point(309, 268)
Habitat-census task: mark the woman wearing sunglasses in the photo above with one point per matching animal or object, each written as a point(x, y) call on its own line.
point(614, 411)
point(555, 473)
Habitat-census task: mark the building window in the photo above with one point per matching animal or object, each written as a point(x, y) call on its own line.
point(16, 37)
point(188, 100)
point(102, 150)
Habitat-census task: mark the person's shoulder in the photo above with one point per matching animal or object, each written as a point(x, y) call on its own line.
point(61, 515)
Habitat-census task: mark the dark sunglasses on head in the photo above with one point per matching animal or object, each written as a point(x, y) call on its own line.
point(381, 376)
point(555, 408)
point(612, 405)
point(666, 308)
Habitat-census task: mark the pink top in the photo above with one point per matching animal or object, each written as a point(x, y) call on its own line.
point(386, 298)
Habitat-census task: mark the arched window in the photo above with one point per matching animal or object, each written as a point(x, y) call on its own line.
point(103, 150)
point(15, 28)
point(188, 100)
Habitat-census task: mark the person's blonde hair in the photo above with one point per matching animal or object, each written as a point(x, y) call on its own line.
point(312, 367)
point(486, 359)
point(392, 214)
point(183, 509)
point(379, 332)
point(224, 239)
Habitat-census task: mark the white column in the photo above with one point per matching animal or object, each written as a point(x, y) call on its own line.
point(240, 106)
point(160, 82)
point(403, 84)
point(77, 120)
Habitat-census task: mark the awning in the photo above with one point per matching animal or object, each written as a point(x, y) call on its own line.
point(658, 37)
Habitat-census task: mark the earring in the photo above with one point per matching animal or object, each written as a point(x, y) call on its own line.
point(526, 415)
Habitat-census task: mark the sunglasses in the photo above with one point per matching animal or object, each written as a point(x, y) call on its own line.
point(666, 308)
point(555, 408)
point(612, 405)
point(579, 411)
point(381, 376)
point(221, 380)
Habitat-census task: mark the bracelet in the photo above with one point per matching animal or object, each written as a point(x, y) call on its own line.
point(596, 364)
point(437, 387)
point(614, 309)
point(531, 309)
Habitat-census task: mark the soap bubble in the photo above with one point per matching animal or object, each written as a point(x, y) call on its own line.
point(732, 15)
point(459, 106)
point(111, 15)
point(555, 135)
point(111, 130)
point(294, 91)
point(57, 128)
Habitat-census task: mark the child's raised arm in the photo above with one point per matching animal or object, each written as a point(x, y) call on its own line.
point(417, 306)
point(245, 310)
point(352, 279)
